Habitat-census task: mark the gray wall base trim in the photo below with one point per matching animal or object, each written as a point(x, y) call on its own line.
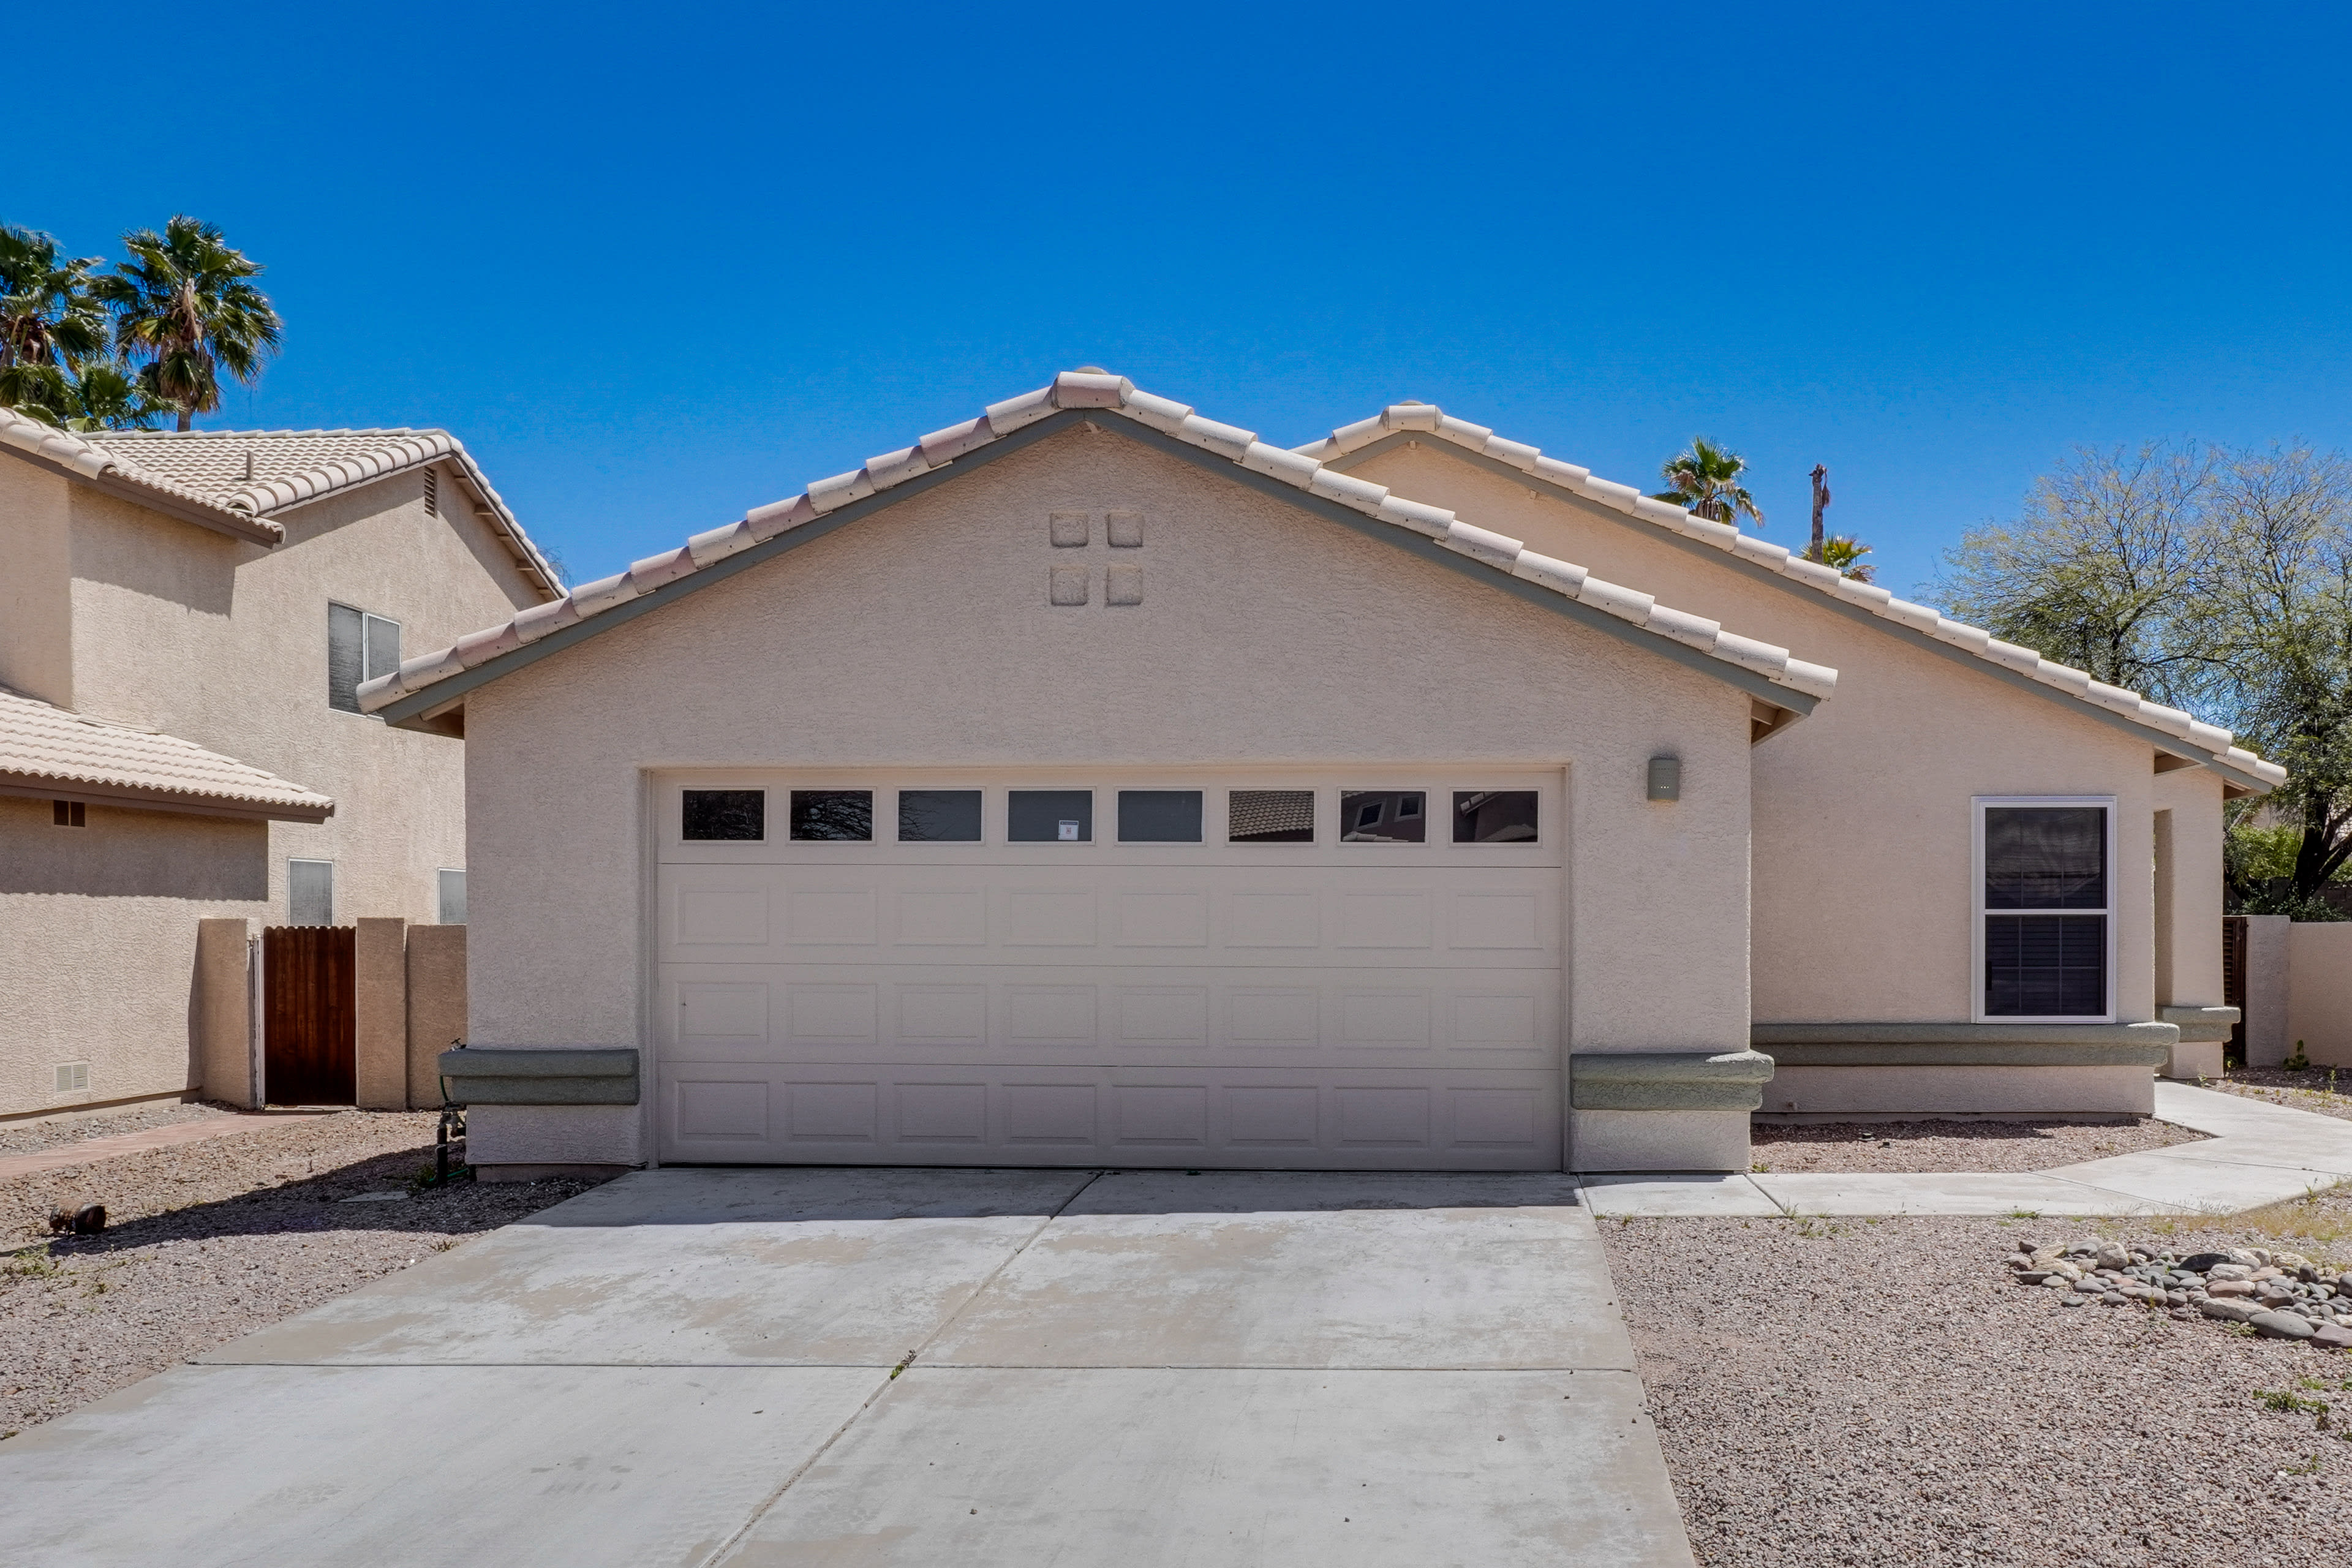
point(2200, 1025)
point(1667, 1080)
point(1966, 1045)
point(565, 1074)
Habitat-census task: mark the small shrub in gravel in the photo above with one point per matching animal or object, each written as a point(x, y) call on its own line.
point(2280, 1295)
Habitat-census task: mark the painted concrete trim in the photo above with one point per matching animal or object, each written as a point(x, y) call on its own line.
point(1966, 1045)
point(416, 708)
point(2200, 1025)
point(583, 1074)
point(1667, 1080)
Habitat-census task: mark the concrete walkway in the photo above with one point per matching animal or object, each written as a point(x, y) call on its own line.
point(2256, 1153)
point(912, 1367)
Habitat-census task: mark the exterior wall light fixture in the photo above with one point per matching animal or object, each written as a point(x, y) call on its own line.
point(1665, 778)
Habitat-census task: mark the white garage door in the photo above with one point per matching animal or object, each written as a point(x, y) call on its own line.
point(1332, 970)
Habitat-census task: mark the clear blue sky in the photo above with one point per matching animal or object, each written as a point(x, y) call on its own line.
point(658, 265)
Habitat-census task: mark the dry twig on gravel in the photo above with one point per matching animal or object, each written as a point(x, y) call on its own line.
point(1948, 1145)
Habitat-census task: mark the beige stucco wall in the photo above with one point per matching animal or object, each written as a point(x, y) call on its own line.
point(2319, 992)
point(97, 944)
point(35, 595)
point(2190, 971)
point(922, 634)
point(1863, 823)
point(224, 643)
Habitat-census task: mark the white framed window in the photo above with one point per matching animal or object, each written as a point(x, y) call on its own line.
point(311, 892)
point(2044, 946)
point(360, 646)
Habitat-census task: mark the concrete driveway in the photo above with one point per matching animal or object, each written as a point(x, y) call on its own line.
point(974, 1368)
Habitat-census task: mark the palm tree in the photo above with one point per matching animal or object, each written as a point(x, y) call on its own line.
point(108, 395)
point(183, 305)
point(49, 321)
point(1843, 552)
point(1707, 480)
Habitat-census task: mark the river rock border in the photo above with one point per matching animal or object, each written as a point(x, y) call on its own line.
point(2282, 1294)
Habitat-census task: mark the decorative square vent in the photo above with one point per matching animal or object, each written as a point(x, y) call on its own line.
point(73, 1077)
point(1123, 585)
point(1067, 585)
point(1069, 530)
point(1125, 530)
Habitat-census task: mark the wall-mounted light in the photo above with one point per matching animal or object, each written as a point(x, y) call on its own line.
point(1665, 778)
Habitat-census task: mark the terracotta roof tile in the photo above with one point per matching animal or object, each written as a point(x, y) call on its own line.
point(40, 742)
point(1115, 395)
point(1424, 418)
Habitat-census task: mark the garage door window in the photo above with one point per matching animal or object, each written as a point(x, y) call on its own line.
point(1270, 816)
point(1388, 816)
point(1493, 816)
point(1160, 816)
point(1049, 816)
point(833, 815)
point(708, 814)
point(2045, 915)
point(939, 816)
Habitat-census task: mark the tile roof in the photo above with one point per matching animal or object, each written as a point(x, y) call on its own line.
point(42, 743)
point(1096, 393)
point(82, 456)
point(257, 472)
point(2213, 742)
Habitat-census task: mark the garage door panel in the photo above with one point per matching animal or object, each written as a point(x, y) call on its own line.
point(1138, 1016)
point(1455, 916)
point(1365, 1119)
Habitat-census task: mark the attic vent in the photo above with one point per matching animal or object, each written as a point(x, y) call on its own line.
point(432, 492)
point(73, 1077)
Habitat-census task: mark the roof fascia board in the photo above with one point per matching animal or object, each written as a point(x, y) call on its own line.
point(226, 523)
point(1587, 506)
point(33, 787)
point(436, 699)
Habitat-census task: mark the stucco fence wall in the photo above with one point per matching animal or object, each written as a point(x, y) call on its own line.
point(2298, 989)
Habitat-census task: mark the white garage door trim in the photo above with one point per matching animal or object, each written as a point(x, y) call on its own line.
point(1323, 1005)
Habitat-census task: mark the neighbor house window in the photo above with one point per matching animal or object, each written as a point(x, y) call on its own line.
point(1493, 816)
point(360, 646)
point(311, 892)
point(833, 813)
point(723, 813)
point(68, 814)
point(1384, 817)
point(453, 897)
point(2045, 917)
point(939, 816)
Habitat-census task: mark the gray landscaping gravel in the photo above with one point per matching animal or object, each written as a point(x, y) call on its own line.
point(54, 1132)
point(1856, 1392)
point(1953, 1145)
point(210, 1240)
point(2312, 1090)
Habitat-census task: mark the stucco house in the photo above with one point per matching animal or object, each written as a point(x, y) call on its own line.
point(184, 621)
point(1091, 783)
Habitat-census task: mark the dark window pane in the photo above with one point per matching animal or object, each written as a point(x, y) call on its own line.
point(2046, 966)
point(2045, 858)
point(939, 816)
point(833, 814)
point(383, 646)
point(311, 892)
point(1271, 816)
point(346, 658)
point(1493, 816)
point(1390, 816)
point(1160, 816)
point(724, 813)
point(1049, 816)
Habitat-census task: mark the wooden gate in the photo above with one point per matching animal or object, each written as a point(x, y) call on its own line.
point(310, 1016)
point(2233, 979)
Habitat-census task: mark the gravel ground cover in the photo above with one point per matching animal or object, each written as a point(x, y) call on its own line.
point(1848, 1392)
point(31, 1137)
point(211, 1240)
point(1953, 1145)
point(2314, 1088)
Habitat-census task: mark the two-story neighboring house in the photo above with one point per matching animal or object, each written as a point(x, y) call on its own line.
point(184, 621)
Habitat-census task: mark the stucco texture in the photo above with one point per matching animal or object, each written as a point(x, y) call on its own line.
point(1864, 877)
point(923, 635)
point(142, 618)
